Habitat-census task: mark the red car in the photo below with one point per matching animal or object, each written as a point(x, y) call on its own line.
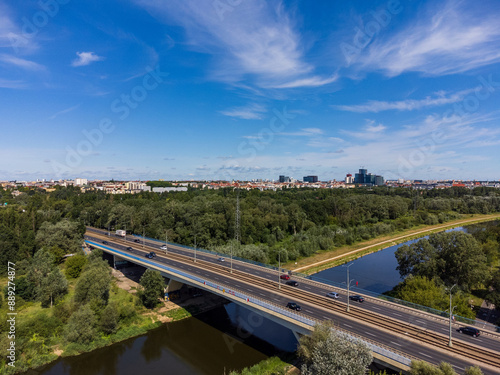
point(285, 277)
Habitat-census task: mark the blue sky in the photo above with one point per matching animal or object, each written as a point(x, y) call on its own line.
point(239, 89)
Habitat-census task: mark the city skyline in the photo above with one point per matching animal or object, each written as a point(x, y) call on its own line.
point(220, 90)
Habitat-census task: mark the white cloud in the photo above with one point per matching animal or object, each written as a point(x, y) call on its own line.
point(253, 39)
point(62, 112)
point(249, 112)
point(9, 84)
point(453, 38)
point(405, 105)
point(20, 63)
point(86, 58)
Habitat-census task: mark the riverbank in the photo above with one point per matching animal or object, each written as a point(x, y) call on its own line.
point(331, 258)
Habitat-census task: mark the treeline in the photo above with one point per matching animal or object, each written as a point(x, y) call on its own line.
point(294, 222)
point(431, 266)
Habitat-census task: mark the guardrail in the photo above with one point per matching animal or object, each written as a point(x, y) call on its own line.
point(354, 290)
point(386, 352)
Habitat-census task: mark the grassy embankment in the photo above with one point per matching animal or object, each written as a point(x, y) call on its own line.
point(331, 258)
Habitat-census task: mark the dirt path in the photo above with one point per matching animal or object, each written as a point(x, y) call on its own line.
point(423, 231)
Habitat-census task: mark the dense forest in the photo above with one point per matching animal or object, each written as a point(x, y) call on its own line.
point(294, 222)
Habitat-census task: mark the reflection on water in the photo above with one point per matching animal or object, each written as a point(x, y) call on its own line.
point(227, 338)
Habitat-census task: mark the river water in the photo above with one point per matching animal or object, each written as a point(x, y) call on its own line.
point(227, 338)
point(377, 271)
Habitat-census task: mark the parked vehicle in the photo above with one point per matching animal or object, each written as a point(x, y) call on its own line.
point(293, 306)
point(474, 332)
point(357, 298)
point(121, 233)
point(292, 283)
point(285, 277)
point(332, 295)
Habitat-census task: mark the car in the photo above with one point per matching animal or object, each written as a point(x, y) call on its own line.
point(332, 295)
point(105, 242)
point(357, 298)
point(137, 240)
point(285, 277)
point(292, 283)
point(129, 248)
point(474, 332)
point(221, 259)
point(153, 254)
point(150, 255)
point(164, 247)
point(293, 306)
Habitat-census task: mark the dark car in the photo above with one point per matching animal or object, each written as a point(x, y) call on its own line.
point(293, 306)
point(357, 298)
point(292, 283)
point(129, 248)
point(474, 332)
point(285, 277)
point(150, 255)
point(137, 240)
point(105, 242)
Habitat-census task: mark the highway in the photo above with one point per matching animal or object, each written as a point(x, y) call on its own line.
point(262, 282)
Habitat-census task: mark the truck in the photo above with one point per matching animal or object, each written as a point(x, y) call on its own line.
point(121, 233)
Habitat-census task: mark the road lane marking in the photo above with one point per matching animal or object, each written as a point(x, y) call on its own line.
point(376, 308)
point(347, 325)
point(427, 355)
point(396, 314)
point(371, 334)
point(395, 343)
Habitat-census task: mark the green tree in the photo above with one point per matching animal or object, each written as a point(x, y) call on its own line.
point(63, 236)
point(109, 319)
point(81, 326)
point(94, 284)
point(424, 368)
point(152, 288)
point(454, 257)
point(328, 351)
point(74, 265)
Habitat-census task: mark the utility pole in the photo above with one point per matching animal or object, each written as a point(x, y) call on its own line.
point(450, 344)
point(348, 284)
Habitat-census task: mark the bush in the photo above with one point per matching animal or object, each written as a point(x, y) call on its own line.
point(74, 265)
point(81, 326)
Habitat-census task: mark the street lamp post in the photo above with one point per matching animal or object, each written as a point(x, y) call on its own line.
point(231, 271)
point(450, 344)
point(279, 270)
point(195, 247)
point(348, 284)
point(166, 242)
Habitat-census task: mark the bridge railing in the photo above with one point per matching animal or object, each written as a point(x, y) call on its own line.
point(354, 290)
point(384, 351)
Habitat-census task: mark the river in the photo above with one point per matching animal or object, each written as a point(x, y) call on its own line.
point(226, 338)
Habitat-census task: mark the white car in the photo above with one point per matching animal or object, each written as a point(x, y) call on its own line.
point(332, 295)
point(221, 259)
point(164, 247)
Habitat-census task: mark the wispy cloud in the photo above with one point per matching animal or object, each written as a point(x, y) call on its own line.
point(405, 105)
point(67, 110)
point(249, 112)
point(370, 131)
point(255, 40)
point(20, 63)
point(86, 58)
point(9, 84)
point(445, 39)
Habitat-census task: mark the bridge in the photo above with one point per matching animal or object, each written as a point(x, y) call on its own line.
point(395, 334)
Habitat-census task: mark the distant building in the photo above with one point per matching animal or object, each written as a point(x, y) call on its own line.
point(81, 181)
point(283, 179)
point(365, 178)
point(349, 179)
point(310, 178)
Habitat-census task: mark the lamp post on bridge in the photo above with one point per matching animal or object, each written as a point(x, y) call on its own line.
point(348, 284)
point(195, 247)
point(279, 270)
point(450, 343)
